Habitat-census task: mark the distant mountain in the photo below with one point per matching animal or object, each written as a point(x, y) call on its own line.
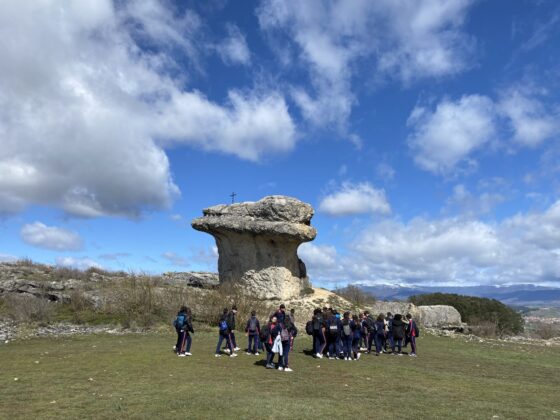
point(518, 295)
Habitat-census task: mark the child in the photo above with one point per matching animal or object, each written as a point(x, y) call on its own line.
point(272, 331)
point(356, 327)
point(380, 334)
point(231, 318)
point(182, 327)
point(398, 334)
point(288, 331)
point(411, 333)
point(252, 329)
point(224, 334)
point(346, 336)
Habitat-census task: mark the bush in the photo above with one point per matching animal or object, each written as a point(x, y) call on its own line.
point(27, 308)
point(477, 311)
point(356, 296)
point(546, 331)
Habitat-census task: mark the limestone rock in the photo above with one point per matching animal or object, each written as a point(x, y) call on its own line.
point(201, 280)
point(439, 316)
point(257, 243)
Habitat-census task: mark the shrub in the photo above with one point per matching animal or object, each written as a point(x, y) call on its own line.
point(546, 331)
point(477, 311)
point(27, 308)
point(356, 295)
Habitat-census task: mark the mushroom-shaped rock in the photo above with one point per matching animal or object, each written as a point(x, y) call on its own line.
point(257, 243)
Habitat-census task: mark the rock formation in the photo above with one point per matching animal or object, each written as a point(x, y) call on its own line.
point(435, 316)
point(257, 243)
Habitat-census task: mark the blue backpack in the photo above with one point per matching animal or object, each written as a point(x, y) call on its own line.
point(180, 321)
point(223, 325)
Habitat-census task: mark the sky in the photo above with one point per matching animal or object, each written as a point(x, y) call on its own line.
point(425, 134)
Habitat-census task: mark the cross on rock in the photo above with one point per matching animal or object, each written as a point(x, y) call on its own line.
point(233, 195)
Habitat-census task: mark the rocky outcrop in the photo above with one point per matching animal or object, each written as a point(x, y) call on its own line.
point(435, 316)
point(202, 280)
point(257, 244)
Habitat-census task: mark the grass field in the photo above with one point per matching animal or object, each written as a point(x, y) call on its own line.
point(137, 376)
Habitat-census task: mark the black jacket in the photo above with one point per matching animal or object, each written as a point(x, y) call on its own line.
point(398, 329)
point(231, 320)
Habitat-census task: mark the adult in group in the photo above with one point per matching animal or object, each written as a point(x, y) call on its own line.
point(379, 333)
point(280, 314)
point(356, 327)
point(389, 328)
point(333, 335)
point(252, 329)
point(346, 335)
point(412, 333)
point(271, 331)
point(369, 324)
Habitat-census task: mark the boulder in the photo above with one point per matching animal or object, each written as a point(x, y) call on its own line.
point(257, 244)
point(440, 316)
point(201, 280)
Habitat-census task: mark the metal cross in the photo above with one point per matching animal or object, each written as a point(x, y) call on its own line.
point(232, 195)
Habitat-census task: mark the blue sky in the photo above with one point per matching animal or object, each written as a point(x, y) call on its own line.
point(424, 133)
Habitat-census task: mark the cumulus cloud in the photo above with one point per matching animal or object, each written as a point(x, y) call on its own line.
point(353, 199)
point(453, 252)
point(50, 237)
point(402, 39)
point(81, 263)
point(86, 108)
point(234, 49)
point(443, 138)
point(317, 256)
point(531, 121)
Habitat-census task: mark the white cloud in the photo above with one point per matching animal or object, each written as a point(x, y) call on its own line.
point(402, 39)
point(521, 249)
point(317, 256)
point(353, 199)
point(50, 237)
point(445, 137)
point(471, 204)
point(175, 259)
point(531, 121)
point(81, 263)
point(234, 49)
point(85, 111)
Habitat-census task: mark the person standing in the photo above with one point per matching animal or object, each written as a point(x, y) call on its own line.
point(231, 318)
point(356, 327)
point(412, 333)
point(319, 339)
point(346, 336)
point(333, 335)
point(379, 334)
point(252, 329)
point(271, 332)
point(398, 330)
point(288, 332)
point(224, 334)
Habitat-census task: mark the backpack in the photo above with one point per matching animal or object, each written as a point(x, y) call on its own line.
point(417, 330)
point(253, 325)
point(263, 335)
point(284, 334)
point(333, 329)
point(317, 321)
point(223, 325)
point(180, 321)
point(346, 329)
point(309, 328)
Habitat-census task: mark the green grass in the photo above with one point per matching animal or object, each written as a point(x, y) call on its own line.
point(137, 376)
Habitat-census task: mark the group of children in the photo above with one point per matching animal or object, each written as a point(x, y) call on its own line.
point(334, 335)
point(348, 335)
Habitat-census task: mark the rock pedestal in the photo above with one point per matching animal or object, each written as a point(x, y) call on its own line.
point(257, 244)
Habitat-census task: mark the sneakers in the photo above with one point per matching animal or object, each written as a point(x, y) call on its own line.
point(280, 368)
point(233, 355)
point(236, 349)
point(319, 356)
point(257, 354)
point(412, 354)
point(217, 355)
point(248, 353)
point(270, 366)
point(288, 369)
point(227, 351)
point(358, 356)
point(181, 355)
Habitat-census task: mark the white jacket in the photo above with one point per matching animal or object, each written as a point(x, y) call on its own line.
point(277, 345)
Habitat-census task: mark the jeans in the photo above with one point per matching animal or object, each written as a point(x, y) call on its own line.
point(333, 346)
point(221, 338)
point(356, 346)
point(319, 342)
point(398, 342)
point(253, 345)
point(269, 353)
point(390, 340)
point(379, 342)
point(347, 345)
point(184, 341)
point(285, 352)
point(412, 344)
point(370, 341)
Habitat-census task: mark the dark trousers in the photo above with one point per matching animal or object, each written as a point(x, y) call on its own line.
point(370, 340)
point(412, 344)
point(398, 342)
point(184, 341)
point(285, 352)
point(269, 353)
point(253, 345)
point(319, 342)
point(232, 337)
point(379, 342)
point(333, 345)
point(227, 338)
point(389, 340)
point(356, 346)
point(347, 345)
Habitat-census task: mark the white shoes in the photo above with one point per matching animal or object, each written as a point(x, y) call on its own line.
point(181, 355)
point(288, 370)
point(319, 356)
point(217, 355)
point(280, 368)
point(226, 351)
point(257, 354)
point(358, 356)
point(233, 355)
point(188, 354)
point(248, 353)
point(236, 349)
